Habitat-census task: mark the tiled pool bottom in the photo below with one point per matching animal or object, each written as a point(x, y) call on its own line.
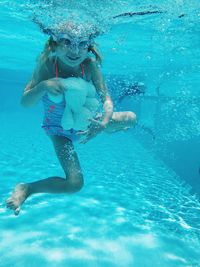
point(133, 211)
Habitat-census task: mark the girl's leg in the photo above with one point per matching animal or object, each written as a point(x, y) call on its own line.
point(72, 183)
point(121, 121)
point(125, 120)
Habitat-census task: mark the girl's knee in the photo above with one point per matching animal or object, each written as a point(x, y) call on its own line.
point(131, 117)
point(75, 183)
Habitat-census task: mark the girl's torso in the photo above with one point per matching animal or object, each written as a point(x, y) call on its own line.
point(53, 112)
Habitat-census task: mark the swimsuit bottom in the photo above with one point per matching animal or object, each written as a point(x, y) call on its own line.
point(58, 130)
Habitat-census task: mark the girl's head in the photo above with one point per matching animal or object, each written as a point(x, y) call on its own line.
point(71, 43)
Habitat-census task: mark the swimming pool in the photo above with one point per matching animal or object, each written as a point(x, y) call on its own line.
point(134, 209)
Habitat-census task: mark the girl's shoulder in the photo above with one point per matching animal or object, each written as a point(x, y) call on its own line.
point(90, 63)
point(46, 67)
point(89, 60)
point(90, 66)
point(50, 64)
point(43, 70)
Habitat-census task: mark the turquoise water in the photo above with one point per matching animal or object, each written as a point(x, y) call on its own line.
point(140, 203)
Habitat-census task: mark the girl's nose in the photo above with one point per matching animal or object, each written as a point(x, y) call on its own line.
point(74, 49)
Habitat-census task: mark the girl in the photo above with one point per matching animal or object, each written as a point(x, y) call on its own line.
point(66, 54)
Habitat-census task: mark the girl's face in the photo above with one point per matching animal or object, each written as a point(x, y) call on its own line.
point(72, 51)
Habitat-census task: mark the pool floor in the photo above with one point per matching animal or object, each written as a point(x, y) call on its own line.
point(133, 210)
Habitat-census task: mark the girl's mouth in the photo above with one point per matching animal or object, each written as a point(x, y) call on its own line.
point(73, 58)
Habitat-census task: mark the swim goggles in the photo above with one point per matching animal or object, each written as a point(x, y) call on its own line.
point(71, 41)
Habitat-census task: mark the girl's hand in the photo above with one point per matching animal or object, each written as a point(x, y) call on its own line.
point(95, 128)
point(53, 86)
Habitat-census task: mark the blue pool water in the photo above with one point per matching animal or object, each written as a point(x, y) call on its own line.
point(140, 203)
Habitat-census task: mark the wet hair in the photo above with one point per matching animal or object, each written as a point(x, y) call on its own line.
point(87, 29)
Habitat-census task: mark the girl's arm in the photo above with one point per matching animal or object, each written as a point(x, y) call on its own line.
point(40, 83)
point(35, 89)
point(98, 81)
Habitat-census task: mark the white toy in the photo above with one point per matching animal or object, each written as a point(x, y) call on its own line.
point(81, 103)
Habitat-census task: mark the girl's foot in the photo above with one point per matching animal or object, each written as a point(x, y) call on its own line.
point(19, 195)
